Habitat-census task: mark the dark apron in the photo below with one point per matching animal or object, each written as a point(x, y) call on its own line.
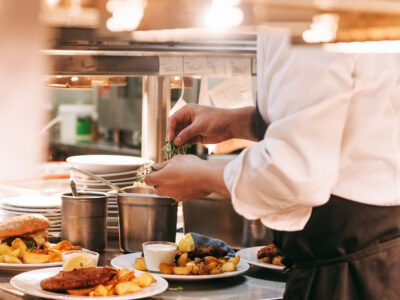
point(347, 250)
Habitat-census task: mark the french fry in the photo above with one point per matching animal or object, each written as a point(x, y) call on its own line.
point(35, 258)
point(5, 249)
point(80, 292)
point(11, 259)
point(19, 244)
point(128, 287)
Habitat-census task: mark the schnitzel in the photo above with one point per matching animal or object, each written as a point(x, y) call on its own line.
point(78, 279)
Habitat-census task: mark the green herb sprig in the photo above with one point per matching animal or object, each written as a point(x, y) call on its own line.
point(170, 150)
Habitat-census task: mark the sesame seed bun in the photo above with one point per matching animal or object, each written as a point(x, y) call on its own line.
point(23, 225)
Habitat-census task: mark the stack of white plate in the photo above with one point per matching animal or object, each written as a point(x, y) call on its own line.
point(120, 170)
point(49, 206)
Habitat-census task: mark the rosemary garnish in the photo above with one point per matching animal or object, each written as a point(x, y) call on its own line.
point(170, 150)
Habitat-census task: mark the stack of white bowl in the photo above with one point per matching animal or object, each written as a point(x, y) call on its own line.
point(120, 170)
point(49, 206)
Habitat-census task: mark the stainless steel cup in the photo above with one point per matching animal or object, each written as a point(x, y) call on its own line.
point(144, 216)
point(84, 220)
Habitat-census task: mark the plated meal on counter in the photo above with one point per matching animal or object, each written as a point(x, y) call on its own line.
point(185, 261)
point(268, 257)
point(24, 245)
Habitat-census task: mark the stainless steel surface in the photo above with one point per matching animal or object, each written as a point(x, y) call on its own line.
point(101, 179)
point(84, 220)
point(144, 216)
point(217, 218)
point(155, 108)
point(256, 284)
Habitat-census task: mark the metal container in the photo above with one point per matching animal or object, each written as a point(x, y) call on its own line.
point(144, 216)
point(84, 220)
point(215, 217)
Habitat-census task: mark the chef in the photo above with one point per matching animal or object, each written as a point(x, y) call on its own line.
point(325, 173)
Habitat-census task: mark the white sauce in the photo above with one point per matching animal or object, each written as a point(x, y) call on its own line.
point(157, 253)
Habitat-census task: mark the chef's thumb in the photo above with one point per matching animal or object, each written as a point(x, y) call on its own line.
point(152, 179)
point(187, 134)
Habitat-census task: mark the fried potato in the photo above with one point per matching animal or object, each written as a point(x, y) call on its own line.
point(19, 244)
point(203, 270)
point(15, 253)
point(182, 260)
point(212, 265)
point(217, 270)
point(125, 275)
point(11, 259)
point(1, 258)
point(229, 267)
point(128, 287)
point(222, 261)
point(166, 269)
point(265, 260)
point(63, 246)
point(35, 258)
point(5, 249)
point(277, 260)
point(210, 259)
point(235, 260)
point(145, 280)
point(182, 270)
point(100, 291)
point(80, 292)
point(140, 264)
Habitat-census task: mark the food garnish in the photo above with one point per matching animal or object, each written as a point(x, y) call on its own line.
point(170, 150)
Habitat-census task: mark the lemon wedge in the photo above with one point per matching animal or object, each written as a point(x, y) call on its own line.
point(78, 261)
point(186, 244)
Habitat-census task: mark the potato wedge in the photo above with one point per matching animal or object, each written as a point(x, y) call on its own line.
point(81, 292)
point(265, 260)
point(235, 259)
point(182, 270)
point(140, 264)
point(1, 258)
point(11, 259)
point(277, 260)
point(19, 244)
point(128, 287)
point(229, 267)
point(100, 291)
point(210, 259)
point(186, 244)
point(217, 270)
point(182, 260)
point(203, 270)
point(15, 253)
point(145, 280)
point(35, 258)
point(125, 275)
point(212, 265)
point(5, 249)
point(166, 269)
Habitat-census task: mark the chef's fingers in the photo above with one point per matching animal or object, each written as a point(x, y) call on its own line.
point(187, 134)
point(178, 121)
point(160, 165)
point(152, 179)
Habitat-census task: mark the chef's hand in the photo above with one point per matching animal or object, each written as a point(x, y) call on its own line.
point(187, 177)
point(207, 125)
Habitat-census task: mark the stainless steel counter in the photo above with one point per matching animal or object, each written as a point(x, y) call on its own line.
point(255, 284)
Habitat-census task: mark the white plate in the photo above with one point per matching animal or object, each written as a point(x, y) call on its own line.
point(29, 283)
point(27, 267)
point(33, 202)
point(110, 176)
point(127, 261)
point(96, 182)
point(106, 163)
point(250, 255)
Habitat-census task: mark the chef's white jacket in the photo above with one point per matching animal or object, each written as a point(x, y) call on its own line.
point(334, 128)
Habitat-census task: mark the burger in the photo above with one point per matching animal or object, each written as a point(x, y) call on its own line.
point(32, 229)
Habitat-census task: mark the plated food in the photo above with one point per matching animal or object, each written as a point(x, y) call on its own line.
point(270, 254)
point(51, 278)
point(97, 282)
point(184, 262)
point(267, 257)
point(23, 240)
